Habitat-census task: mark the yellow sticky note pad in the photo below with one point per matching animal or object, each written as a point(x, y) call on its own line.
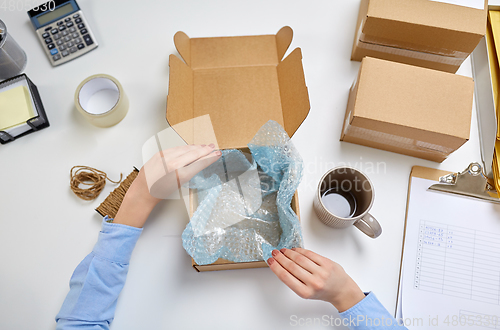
point(15, 107)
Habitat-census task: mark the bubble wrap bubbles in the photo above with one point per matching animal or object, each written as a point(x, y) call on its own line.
point(244, 200)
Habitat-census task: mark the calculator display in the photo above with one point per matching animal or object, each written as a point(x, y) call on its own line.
point(52, 15)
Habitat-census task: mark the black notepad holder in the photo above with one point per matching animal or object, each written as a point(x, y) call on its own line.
point(36, 123)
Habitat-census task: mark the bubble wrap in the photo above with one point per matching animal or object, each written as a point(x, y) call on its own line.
point(244, 200)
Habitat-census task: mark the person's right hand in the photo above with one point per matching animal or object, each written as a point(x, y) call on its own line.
point(312, 276)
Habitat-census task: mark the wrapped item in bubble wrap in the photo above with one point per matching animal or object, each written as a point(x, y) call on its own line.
point(244, 201)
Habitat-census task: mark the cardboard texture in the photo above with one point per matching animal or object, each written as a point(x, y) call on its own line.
point(241, 83)
point(424, 33)
point(409, 110)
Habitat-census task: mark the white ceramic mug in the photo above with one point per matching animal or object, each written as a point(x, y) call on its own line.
point(343, 198)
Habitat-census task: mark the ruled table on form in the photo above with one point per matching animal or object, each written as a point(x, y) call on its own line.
point(457, 261)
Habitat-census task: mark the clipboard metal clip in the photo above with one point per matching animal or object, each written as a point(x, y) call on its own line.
point(472, 183)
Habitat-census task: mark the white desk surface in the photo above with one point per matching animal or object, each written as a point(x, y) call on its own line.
point(46, 230)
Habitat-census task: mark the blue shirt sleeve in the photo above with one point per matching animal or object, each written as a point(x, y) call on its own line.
point(98, 279)
point(369, 314)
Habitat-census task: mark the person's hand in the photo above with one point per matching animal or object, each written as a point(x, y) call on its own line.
point(169, 169)
point(160, 178)
point(312, 276)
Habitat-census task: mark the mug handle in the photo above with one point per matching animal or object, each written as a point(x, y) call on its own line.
point(369, 225)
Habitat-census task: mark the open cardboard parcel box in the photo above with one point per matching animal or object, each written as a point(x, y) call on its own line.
point(241, 83)
point(434, 34)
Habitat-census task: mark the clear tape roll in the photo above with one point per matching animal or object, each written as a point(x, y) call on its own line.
point(101, 100)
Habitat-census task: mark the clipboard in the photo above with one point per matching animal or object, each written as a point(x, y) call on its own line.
point(472, 182)
point(424, 173)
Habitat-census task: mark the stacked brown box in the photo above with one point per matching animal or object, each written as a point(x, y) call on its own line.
point(409, 110)
point(425, 33)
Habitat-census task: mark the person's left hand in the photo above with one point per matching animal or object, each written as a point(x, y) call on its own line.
point(169, 169)
point(161, 177)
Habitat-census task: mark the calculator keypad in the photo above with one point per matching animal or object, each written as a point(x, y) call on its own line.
point(88, 40)
point(68, 37)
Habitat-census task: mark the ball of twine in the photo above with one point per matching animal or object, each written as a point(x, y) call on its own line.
point(93, 179)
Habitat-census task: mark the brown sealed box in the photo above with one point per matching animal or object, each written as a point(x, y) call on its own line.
point(240, 83)
point(409, 110)
point(425, 33)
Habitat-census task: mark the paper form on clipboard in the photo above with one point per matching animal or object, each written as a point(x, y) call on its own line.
point(450, 271)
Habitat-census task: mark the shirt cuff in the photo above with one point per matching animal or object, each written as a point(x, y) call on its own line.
point(369, 311)
point(116, 241)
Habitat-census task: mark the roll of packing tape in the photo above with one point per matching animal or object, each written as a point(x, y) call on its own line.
point(101, 100)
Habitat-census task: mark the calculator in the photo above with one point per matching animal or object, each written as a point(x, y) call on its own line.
point(63, 30)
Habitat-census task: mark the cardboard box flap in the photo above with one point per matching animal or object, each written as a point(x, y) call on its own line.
point(415, 20)
point(180, 97)
point(221, 52)
point(293, 91)
point(183, 46)
point(283, 40)
point(240, 83)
